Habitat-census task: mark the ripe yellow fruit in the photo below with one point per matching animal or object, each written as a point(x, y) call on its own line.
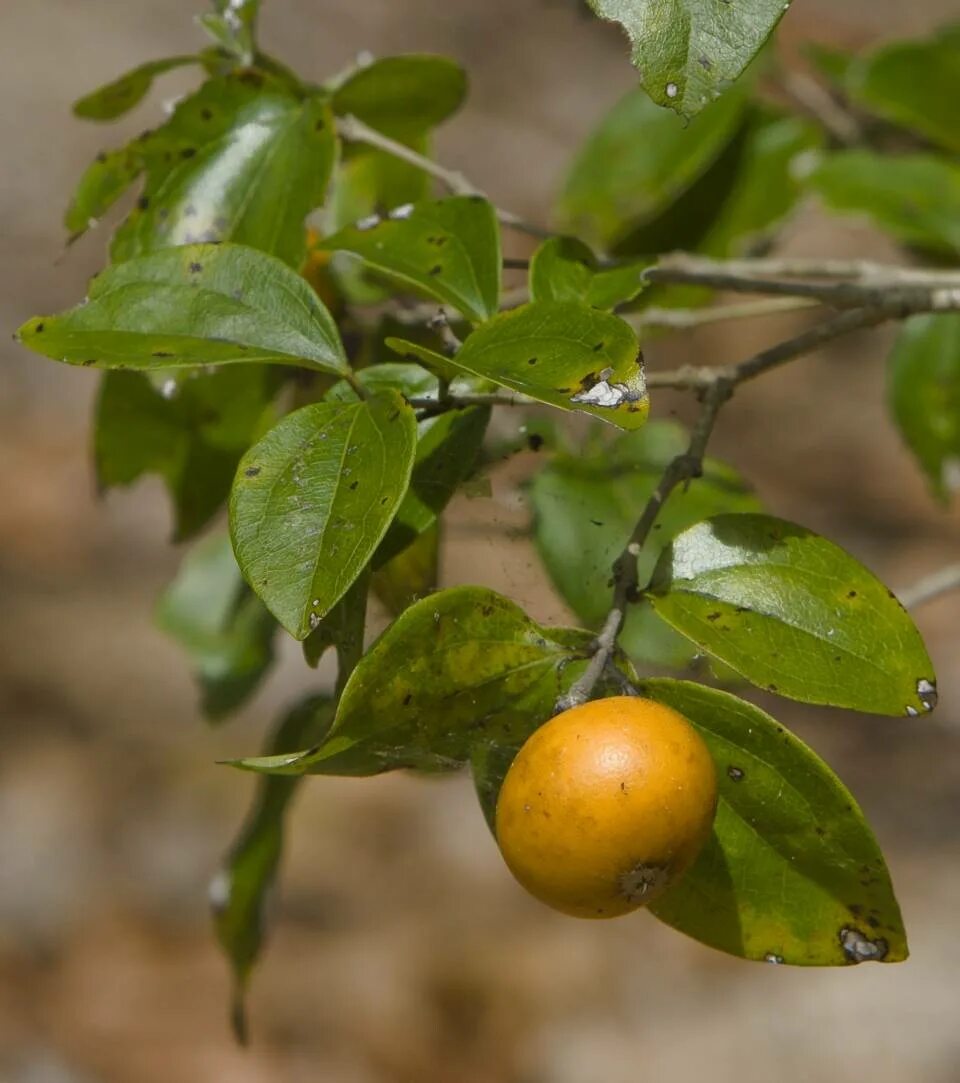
point(606, 805)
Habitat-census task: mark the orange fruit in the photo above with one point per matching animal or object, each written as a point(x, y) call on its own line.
point(606, 806)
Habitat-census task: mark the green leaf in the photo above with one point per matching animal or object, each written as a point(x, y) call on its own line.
point(915, 84)
point(792, 872)
point(447, 450)
point(564, 269)
point(913, 197)
point(240, 891)
point(449, 248)
point(313, 499)
point(565, 354)
point(658, 156)
point(242, 160)
point(924, 391)
point(403, 96)
point(212, 614)
point(190, 431)
point(119, 96)
point(105, 180)
point(342, 627)
point(411, 574)
point(767, 182)
point(459, 669)
point(793, 613)
point(585, 506)
point(200, 304)
point(410, 380)
point(688, 52)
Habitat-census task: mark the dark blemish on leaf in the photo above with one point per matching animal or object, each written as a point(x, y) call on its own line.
point(188, 152)
point(487, 610)
point(851, 594)
point(251, 78)
point(873, 922)
point(476, 199)
point(319, 126)
point(163, 213)
point(206, 114)
point(435, 270)
point(439, 240)
point(597, 522)
point(252, 471)
point(407, 698)
point(196, 268)
point(532, 361)
point(735, 773)
point(89, 361)
point(384, 500)
point(101, 157)
point(818, 830)
point(353, 485)
point(534, 441)
point(161, 353)
point(772, 688)
point(714, 616)
point(598, 347)
point(563, 390)
point(38, 328)
point(856, 909)
point(143, 202)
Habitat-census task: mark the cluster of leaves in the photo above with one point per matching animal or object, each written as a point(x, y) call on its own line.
point(252, 362)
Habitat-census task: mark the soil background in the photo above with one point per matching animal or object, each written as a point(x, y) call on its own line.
point(403, 952)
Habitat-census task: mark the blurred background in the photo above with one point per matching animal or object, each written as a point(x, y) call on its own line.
point(403, 951)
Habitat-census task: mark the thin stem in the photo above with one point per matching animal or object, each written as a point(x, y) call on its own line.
point(931, 586)
point(355, 131)
point(680, 319)
point(819, 103)
point(680, 469)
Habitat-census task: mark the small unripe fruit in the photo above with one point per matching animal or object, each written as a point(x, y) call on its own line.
point(606, 805)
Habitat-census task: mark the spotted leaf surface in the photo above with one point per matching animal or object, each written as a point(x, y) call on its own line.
point(564, 269)
point(585, 505)
point(313, 499)
point(117, 97)
point(792, 872)
point(195, 305)
point(459, 669)
point(688, 52)
point(450, 248)
point(242, 160)
point(565, 354)
point(793, 613)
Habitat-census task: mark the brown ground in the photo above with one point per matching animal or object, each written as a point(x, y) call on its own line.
point(404, 951)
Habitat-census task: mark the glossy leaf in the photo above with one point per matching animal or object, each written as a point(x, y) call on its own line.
point(191, 431)
point(242, 160)
point(222, 625)
point(119, 96)
point(458, 669)
point(585, 506)
point(411, 574)
point(924, 389)
point(239, 893)
point(792, 872)
point(403, 96)
point(658, 156)
point(195, 305)
point(313, 499)
point(915, 84)
point(564, 269)
point(447, 450)
point(449, 248)
point(565, 354)
point(913, 197)
point(793, 613)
